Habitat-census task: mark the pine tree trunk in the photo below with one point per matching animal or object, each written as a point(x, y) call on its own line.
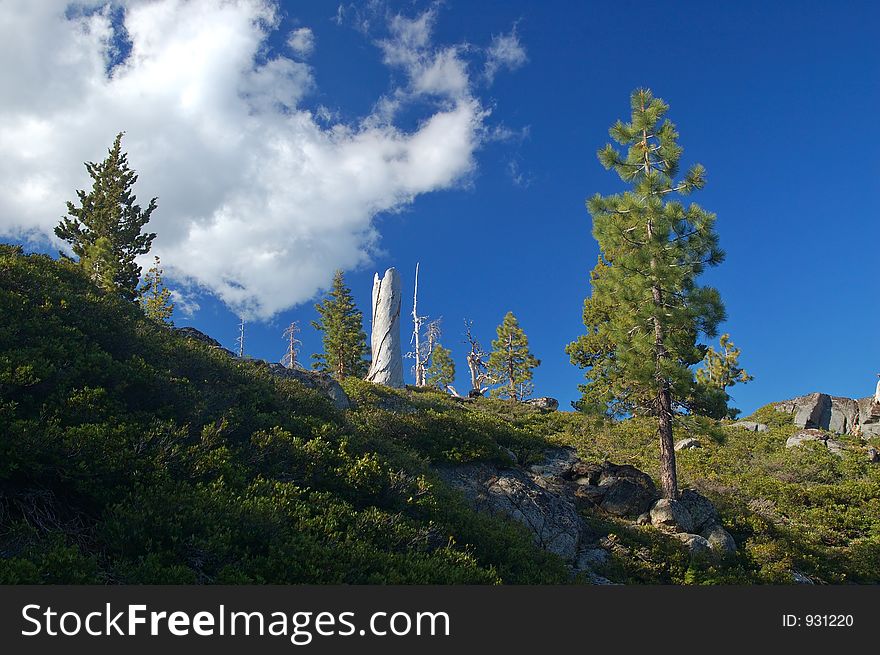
point(668, 475)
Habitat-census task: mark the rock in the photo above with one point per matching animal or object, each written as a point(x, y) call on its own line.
point(751, 426)
point(629, 491)
point(644, 519)
point(321, 382)
point(697, 545)
point(544, 403)
point(844, 415)
point(625, 498)
point(557, 462)
point(387, 365)
point(610, 473)
point(869, 418)
point(192, 333)
point(799, 578)
point(805, 436)
point(551, 517)
point(672, 515)
point(687, 444)
point(833, 413)
point(720, 540)
point(835, 447)
point(873, 455)
point(589, 496)
point(592, 557)
point(701, 509)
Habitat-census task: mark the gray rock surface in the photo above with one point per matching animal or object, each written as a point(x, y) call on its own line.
point(873, 455)
point(197, 335)
point(698, 546)
point(551, 517)
point(751, 426)
point(387, 365)
point(869, 418)
point(811, 435)
point(844, 415)
point(544, 403)
point(671, 515)
point(687, 444)
point(833, 413)
point(719, 539)
point(321, 382)
point(701, 509)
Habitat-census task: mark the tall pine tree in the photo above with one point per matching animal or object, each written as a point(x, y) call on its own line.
point(341, 324)
point(511, 362)
point(110, 210)
point(646, 310)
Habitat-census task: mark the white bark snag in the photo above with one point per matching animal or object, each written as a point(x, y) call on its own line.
point(387, 365)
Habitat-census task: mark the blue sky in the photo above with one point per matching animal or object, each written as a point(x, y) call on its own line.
point(775, 99)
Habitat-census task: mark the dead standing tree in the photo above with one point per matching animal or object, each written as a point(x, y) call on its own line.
point(240, 340)
point(290, 357)
point(476, 361)
point(422, 350)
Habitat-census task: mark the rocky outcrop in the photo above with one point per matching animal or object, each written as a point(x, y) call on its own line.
point(671, 515)
point(321, 382)
point(752, 426)
point(806, 436)
point(688, 444)
point(197, 335)
point(547, 497)
point(833, 413)
point(544, 403)
point(387, 364)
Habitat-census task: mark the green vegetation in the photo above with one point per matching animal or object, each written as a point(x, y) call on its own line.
point(720, 371)
point(129, 454)
point(646, 310)
point(342, 326)
point(511, 362)
point(106, 231)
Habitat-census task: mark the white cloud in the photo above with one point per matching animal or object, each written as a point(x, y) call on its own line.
point(302, 41)
point(259, 198)
point(505, 51)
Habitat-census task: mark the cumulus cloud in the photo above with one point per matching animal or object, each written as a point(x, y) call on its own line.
point(301, 41)
point(505, 52)
point(260, 198)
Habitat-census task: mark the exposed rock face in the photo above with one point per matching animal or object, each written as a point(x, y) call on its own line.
point(687, 444)
point(833, 413)
point(546, 498)
point(322, 382)
point(751, 425)
point(804, 436)
point(197, 335)
point(387, 365)
point(544, 403)
point(700, 508)
point(671, 515)
point(698, 546)
point(552, 518)
point(719, 540)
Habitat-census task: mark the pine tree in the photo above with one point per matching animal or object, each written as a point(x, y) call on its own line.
point(510, 362)
point(646, 311)
point(441, 372)
point(720, 371)
point(344, 339)
point(155, 298)
point(109, 210)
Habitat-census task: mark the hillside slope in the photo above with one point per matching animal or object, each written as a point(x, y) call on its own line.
point(130, 454)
